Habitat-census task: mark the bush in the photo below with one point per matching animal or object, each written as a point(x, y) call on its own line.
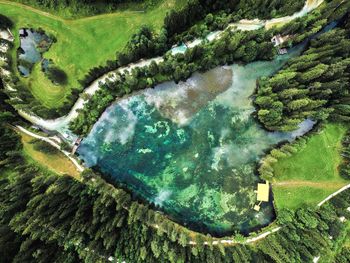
point(5, 22)
point(57, 76)
point(44, 147)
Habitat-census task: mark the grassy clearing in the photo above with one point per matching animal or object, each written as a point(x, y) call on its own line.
point(55, 162)
point(81, 44)
point(311, 174)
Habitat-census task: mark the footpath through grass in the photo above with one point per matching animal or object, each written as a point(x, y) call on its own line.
point(81, 44)
point(311, 174)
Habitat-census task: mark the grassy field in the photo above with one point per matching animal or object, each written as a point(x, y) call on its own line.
point(56, 162)
point(81, 43)
point(311, 174)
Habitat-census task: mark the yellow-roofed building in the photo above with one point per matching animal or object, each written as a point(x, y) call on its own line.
point(263, 192)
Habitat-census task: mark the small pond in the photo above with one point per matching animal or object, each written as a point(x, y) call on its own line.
point(32, 45)
point(191, 148)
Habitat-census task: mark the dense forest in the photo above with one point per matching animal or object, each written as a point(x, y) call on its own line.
point(345, 166)
point(45, 217)
point(78, 8)
point(196, 10)
point(314, 85)
point(193, 11)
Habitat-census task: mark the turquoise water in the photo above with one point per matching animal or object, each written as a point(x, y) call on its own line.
point(179, 49)
point(191, 148)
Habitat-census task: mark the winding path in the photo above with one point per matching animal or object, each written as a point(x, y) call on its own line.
point(61, 124)
point(51, 141)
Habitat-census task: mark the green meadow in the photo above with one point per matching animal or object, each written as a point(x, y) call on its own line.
point(81, 43)
point(311, 174)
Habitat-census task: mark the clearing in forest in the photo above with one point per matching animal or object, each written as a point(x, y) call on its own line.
point(311, 174)
point(52, 159)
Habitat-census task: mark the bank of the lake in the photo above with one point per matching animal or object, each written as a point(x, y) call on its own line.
point(191, 148)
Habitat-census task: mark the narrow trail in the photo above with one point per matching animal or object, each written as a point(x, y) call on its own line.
point(226, 242)
point(57, 124)
point(61, 124)
point(53, 143)
point(298, 183)
point(333, 195)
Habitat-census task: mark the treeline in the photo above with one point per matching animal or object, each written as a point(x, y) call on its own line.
point(314, 85)
point(58, 219)
point(146, 43)
point(179, 25)
point(50, 218)
point(344, 168)
point(5, 22)
point(79, 8)
point(231, 47)
point(265, 168)
point(178, 21)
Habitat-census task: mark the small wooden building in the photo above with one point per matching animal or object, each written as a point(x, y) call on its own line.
point(262, 192)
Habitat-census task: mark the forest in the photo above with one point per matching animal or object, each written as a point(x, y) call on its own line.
point(314, 85)
point(345, 166)
point(79, 8)
point(148, 42)
point(45, 217)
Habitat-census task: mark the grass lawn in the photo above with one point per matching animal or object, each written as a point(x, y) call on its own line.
point(81, 44)
point(56, 162)
point(311, 174)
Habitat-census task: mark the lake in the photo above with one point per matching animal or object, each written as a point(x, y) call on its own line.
point(191, 149)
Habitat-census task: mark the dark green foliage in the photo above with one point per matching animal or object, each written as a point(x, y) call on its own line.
point(344, 168)
point(314, 85)
point(50, 218)
point(44, 147)
point(143, 44)
point(343, 256)
point(78, 8)
point(56, 75)
point(5, 22)
point(195, 10)
point(9, 142)
point(231, 47)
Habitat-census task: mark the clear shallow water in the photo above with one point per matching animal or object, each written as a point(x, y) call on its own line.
point(32, 45)
point(191, 148)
